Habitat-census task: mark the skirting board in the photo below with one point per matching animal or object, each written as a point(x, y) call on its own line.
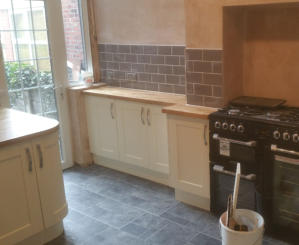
point(193, 200)
point(44, 236)
point(133, 170)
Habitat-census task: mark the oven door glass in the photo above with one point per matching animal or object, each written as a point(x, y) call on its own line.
point(286, 192)
point(222, 185)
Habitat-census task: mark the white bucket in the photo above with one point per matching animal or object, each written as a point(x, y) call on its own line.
point(253, 220)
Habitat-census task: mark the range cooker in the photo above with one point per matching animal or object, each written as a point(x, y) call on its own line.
point(266, 143)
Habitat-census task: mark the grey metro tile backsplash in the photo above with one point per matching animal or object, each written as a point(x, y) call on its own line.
point(149, 67)
point(198, 73)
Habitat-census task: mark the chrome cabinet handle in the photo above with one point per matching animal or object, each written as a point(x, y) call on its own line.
point(220, 169)
point(148, 115)
point(205, 135)
point(111, 110)
point(40, 154)
point(248, 143)
point(29, 159)
point(142, 116)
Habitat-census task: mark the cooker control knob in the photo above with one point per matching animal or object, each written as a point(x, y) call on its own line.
point(217, 124)
point(276, 134)
point(241, 128)
point(295, 138)
point(286, 136)
point(225, 126)
point(232, 127)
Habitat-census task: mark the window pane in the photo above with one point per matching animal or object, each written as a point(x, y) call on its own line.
point(45, 79)
point(29, 74)
point(37, 4)
point(42, 51)
point(16, 100)
point(41, 37)
point(20, 5)
point(39, 19)
point(7, 38)
point(13, 75)
point(5, 19)
point(48, 99)
point(76, 58)
point(33, 101)
point(24, 52)
point(22, 21)
point(44, 65)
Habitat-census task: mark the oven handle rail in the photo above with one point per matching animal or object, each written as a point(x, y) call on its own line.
point(248, 143)
point(220, 169)
point(274, 148)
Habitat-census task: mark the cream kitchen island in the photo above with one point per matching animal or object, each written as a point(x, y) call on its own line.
point(33, 202)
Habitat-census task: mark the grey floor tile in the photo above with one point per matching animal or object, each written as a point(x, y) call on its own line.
point(212, 230)
point(78, 228)
point(175, 218)
point(113, 236)
point(145, 226)
point(108, 207)
point(79, 198)
point(202, 239)
point(272, 241)
point(116, 216)
point(172, 234)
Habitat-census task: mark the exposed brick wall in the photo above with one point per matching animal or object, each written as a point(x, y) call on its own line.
point(204, 78)
point(72, 32)
point(156, 68)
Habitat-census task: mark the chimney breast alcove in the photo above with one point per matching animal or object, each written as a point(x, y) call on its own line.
point(261, 51)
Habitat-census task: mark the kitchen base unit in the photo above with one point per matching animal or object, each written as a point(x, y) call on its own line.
point(189, 159)
point(129, 132)
point(44, 236)
point(33, 202)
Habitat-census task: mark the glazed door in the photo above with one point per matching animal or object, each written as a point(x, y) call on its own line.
point(34, 62)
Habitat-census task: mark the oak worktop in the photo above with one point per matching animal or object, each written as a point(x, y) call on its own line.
point(16, 126)
point(173, 103)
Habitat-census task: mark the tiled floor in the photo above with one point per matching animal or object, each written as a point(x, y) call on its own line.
point(107, 207)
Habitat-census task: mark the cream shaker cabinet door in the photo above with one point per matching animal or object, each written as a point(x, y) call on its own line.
point(132, 127)
point(20, 211)
point(50, 180)
point(102, 126)
point(158, 139)
point(189, 153)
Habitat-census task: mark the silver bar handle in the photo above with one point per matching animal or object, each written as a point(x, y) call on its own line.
point(287, 160)
point(220, 169)
point(205, 135)
point(40, 154)
point(142, 116)
point(111, 110)
point(274, 148)
point(245, 143)
point(29, 159)
point(148, 116)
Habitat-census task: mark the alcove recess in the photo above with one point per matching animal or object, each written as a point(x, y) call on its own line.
point(261, 51)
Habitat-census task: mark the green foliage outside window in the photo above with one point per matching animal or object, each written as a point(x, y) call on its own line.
point(26, 74)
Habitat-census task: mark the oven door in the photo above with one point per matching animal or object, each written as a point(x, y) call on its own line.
point(222, 184)
point(285, 188)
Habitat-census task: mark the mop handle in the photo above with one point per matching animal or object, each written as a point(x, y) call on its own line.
point(236, 188)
